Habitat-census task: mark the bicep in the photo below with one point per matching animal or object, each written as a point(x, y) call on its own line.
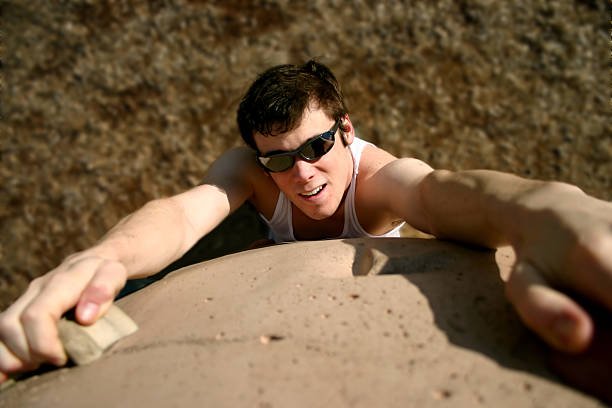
point(231, 174)
point(398, 185)
point(224, 188)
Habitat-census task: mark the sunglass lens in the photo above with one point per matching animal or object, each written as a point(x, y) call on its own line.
point(317, 148)
point(277, 163)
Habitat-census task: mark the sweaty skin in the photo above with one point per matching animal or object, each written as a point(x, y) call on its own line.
point(562, 237)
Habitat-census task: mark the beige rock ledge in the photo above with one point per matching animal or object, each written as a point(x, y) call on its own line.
point(292, 325)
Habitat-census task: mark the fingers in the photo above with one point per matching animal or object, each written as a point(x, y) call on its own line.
point(39, 318)
point(14, 348)
point(9, 362)
point(555, 317)
point(591, 262)
point(589, 371)
point(100, 292)
point(28, 329)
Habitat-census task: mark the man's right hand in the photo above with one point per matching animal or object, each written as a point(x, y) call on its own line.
point(28, 328)
point(143, 242)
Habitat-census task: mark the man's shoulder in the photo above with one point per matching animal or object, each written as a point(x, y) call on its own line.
point(383, 175)
point(373, 158)
point(238, 167)
point(235, 166)
point(264, 191)
point(379, 162)
point(240, 161)
point(384, 180)
point(240, 154)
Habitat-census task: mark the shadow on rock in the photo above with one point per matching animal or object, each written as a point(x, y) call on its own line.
point(466, 297)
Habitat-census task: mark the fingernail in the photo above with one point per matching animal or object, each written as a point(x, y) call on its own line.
point(89, 311)
point(565, 330)
point(60, 361)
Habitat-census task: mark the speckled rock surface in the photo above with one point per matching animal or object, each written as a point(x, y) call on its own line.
point(107, 104)
point(291, 325)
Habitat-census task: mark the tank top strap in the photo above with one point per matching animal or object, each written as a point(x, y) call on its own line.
point(281, 223)
point(352, 227)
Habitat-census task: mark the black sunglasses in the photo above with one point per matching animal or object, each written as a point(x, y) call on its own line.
point(312, 150)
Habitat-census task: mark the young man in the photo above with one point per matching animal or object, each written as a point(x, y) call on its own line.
point(310, 177)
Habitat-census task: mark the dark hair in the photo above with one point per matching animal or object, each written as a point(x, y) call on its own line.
point(276, 101)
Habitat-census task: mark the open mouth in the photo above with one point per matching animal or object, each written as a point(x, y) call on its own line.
point(314, 192)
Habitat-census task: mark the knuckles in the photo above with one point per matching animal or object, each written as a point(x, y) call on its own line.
point(11, 365)
point(37, 283)
point(35, 321)
point(9, 326)
point(31, 316)
point(107, 281)
point(592, 250)
point(99, 292)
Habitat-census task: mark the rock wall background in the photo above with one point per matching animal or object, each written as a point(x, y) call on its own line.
point(107, 104)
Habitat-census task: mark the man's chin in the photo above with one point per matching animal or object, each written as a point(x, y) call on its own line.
point(317, 214)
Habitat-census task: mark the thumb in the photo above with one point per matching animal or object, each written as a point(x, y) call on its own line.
point(100, 292)
point(553, 315)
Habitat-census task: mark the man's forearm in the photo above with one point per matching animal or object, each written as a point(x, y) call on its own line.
point(148, 239)
point(163, 230)
point(486, 207)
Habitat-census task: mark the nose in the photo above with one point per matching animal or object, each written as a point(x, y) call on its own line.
point(303, 170)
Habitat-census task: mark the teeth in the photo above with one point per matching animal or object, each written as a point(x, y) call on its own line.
point(313, 192)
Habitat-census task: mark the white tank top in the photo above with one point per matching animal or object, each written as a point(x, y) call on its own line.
point(281, 223)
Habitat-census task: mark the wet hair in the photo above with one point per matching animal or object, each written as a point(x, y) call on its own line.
point(276, 101)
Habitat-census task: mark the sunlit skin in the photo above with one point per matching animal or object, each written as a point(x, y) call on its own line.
point(333, 171)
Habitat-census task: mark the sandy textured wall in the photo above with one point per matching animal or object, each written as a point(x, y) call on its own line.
point(107, 104)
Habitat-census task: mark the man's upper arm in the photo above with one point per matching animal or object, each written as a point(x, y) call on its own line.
point(398, 185)
point(224, 188)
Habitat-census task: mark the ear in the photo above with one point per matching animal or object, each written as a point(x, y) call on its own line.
point(349, 135)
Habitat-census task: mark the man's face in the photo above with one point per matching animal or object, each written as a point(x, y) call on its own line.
point(316, 187)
